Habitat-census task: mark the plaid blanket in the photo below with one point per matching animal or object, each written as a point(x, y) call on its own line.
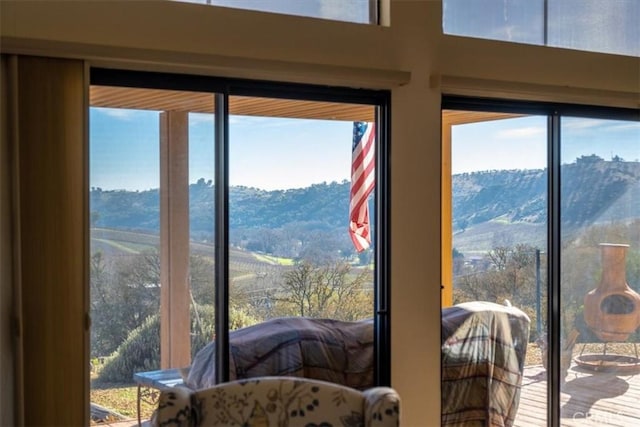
point(483, 353)
point(324, 349)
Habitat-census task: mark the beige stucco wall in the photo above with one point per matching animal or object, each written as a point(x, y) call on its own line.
point(411, 57)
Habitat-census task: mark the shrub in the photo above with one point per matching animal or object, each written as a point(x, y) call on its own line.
point(141, 350)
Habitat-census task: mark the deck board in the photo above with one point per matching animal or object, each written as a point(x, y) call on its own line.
point(587, 398)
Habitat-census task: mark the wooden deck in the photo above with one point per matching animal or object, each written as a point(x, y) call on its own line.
point(587, 399)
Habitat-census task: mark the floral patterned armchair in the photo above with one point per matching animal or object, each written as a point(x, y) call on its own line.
point(278, 402)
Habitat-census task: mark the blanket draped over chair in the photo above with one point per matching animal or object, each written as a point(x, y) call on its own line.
point(483, 353)
point(323, 349)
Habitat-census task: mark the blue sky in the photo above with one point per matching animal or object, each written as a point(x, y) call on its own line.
point(275, 153)
point(264, 153)
point(521, 143)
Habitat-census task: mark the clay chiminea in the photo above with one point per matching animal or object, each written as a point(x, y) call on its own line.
point(612, 310)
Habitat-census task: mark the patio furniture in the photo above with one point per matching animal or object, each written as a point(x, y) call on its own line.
point(151, 383)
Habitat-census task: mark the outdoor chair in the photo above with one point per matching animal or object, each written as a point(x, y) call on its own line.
point(278, 401)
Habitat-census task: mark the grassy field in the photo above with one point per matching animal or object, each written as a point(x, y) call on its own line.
point(120, 398)
point(273, 260)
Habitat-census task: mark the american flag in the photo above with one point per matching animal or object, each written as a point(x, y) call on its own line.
point(362, 182)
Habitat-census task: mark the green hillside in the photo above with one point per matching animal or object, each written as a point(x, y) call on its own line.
point(492, 204)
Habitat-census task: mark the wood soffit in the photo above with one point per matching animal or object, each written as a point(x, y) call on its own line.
point(199, 102)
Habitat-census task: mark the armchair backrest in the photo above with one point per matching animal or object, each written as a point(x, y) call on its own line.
point(278, 402)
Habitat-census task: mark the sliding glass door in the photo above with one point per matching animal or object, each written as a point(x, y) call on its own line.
point(238, 229)
point(541, 209)
point(152, 240)
point(497, 293)
point(305, 284)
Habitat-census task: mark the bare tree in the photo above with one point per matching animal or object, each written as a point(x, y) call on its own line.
point(329, 290)
point(511, 276)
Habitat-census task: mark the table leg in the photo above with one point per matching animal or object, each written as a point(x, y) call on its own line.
point(139, 416)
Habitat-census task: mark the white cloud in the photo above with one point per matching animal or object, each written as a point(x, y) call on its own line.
point(580, 123)
point(199, 118)
point(521, 132)
point(118, 113)
point(624, 126)
point(346, 10)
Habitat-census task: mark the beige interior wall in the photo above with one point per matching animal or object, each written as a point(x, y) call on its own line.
point(411, 57)
point(541, 73)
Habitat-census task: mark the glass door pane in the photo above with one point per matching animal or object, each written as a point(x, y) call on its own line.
point(152, 216)
point(600, 260)
point(294, 270)
point(494, 334)
point(201, 228)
